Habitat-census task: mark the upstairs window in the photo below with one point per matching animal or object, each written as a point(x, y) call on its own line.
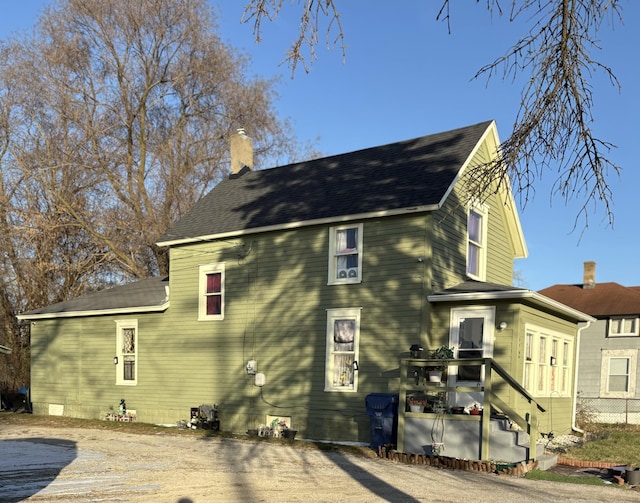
point(126, 352)
point(345, 254)
point(623, 327)
point(211, 303)
point(477, 243)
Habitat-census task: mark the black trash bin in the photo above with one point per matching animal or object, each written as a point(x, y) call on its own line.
point(382, 409)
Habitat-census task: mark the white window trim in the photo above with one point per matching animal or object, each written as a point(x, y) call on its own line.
point(489, 315)
point(332, 315)
point(483, 211)
point(535, 364)
point(202, 290)
point(607, 354)
point(333, 273)
point(120, 326)
point(636, 333)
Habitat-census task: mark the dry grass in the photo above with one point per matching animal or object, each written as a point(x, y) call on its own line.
point(610, 443)
point(27, 420)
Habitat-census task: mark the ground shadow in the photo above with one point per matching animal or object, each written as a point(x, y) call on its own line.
point(29, 465)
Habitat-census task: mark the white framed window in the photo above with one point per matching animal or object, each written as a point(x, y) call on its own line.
point(211, 292)
point(477, 242)
point(564, 385)
point(543, 365)
point(345, 254)
point(529, 365)
point(623, 327)
point(548, 362)
point(126, 360)
point(617, 373)
point(343, 337)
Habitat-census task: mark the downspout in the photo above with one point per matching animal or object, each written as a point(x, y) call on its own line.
point(574, 426)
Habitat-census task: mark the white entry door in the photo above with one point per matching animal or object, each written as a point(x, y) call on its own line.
point(471, 335)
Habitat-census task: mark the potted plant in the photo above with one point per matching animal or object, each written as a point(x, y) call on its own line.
point(475, 410)
point(441, 353)
point(416, 404)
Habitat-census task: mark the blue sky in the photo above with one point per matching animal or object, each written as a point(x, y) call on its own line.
point(405, 76)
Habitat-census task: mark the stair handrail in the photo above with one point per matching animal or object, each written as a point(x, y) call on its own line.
point(514, 384)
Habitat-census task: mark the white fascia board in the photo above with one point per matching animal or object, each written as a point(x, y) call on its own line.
point(534, 297)
point(513, 219)
point(95, 312)
point(304, 223)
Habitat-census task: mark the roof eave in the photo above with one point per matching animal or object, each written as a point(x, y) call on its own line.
point(304, 223)
point(529, 295)
point(93, 312)
point(513, 220)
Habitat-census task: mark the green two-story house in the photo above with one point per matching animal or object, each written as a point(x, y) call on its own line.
point(295, 292)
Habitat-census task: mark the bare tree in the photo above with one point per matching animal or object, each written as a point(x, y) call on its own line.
point(115, 118)
point(553, 129)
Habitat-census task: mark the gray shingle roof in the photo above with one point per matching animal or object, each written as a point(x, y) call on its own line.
point(406, 174)
point(145, 295)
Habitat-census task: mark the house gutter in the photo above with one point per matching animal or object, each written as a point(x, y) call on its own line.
point(574, 407)
point(95, 312)
point(299, 224)
point(533, 297)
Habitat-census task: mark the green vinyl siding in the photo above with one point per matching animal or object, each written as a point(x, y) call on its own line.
point(276, 297)
point(450, 243)
point(500, 255)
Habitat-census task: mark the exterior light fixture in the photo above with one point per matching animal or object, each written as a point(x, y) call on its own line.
point(115, 360)
point(355, 365)
point(503, 325)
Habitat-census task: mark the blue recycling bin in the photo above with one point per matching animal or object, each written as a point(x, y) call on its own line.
point(382, 409)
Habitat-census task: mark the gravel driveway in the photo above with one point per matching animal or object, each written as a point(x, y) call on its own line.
point(44, 464)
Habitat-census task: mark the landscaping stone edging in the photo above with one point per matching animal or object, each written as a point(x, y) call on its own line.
point(586, 464)
point(516, 469)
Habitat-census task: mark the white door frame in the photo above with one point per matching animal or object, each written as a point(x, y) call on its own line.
point(458, 314)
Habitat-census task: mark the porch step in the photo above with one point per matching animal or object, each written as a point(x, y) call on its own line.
point(462, 439)
point(508, 445)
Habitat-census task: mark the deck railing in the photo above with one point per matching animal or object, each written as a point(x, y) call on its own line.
point(494, 374)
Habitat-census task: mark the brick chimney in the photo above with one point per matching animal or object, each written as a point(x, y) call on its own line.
point(241, 152)
point(589, 277)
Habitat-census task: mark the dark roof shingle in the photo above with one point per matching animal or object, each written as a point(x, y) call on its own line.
point(144, 295)
point(406, 174)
